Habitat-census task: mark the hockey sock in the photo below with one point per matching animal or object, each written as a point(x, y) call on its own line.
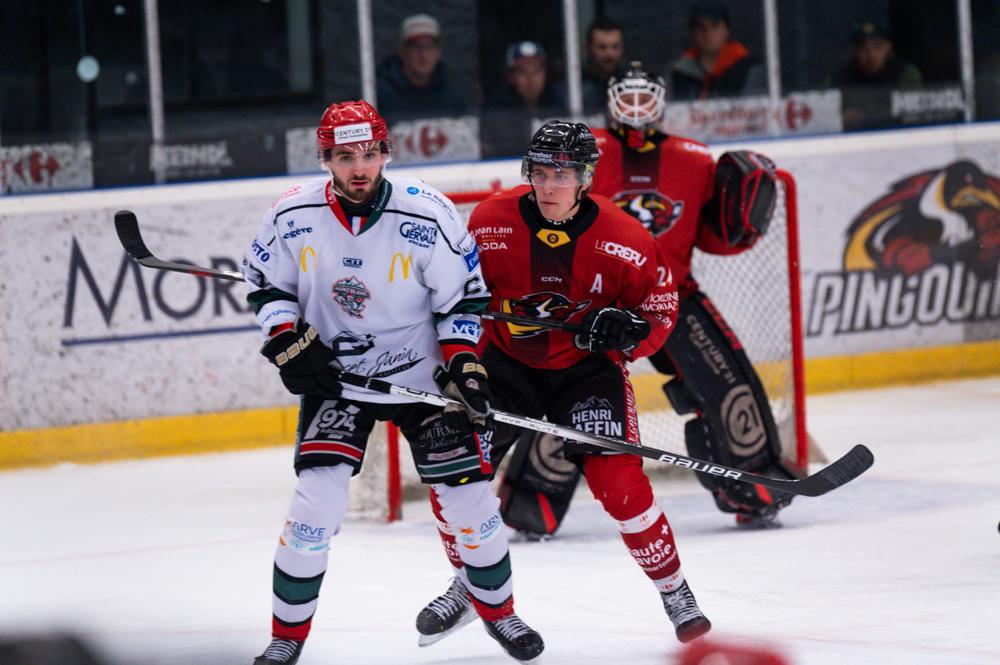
point(471, 516)
point(314, 517)
point(617, 481)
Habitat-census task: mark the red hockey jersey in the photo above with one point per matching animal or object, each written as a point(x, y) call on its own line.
point(664, 184)
point(605, 258)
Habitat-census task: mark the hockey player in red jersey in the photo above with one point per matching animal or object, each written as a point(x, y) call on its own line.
point(685, 200)
point(551, 251)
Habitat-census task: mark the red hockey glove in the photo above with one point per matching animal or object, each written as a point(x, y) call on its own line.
point(611, 329)
point(464, 379)
point(745, 194)
point(306, 365)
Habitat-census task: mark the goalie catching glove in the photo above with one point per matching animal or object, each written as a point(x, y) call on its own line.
point(611, 329)
point(745, 193)
point(307, 366)
point(464, 379)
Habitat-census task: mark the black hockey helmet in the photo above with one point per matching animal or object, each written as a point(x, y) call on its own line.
point(565, 145)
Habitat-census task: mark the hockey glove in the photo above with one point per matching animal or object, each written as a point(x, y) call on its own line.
point(611, 329)
point(464, 379)
point(306, 365)
point(745, 194)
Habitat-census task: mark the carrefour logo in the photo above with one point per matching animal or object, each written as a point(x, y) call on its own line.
point(421, 235)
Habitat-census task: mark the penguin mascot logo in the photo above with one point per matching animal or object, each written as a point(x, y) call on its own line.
point(940, 216)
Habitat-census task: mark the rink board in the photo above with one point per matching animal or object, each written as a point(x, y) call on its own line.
point(150, 362)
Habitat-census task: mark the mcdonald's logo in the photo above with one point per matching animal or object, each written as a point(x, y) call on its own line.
point(404, 262)
point(302, 257)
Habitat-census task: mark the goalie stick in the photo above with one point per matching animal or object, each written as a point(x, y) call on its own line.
point(857, 460)
point(843, 470)
point(127, 226)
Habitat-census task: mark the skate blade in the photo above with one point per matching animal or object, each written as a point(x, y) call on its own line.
point(467, 618)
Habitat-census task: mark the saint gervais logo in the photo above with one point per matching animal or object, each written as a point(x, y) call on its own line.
point(925, 252)
point(743, 422)
point(351, 294)
point(543, 305)
point(656, 212)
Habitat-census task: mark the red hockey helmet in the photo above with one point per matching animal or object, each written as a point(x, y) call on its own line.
point(351, 122)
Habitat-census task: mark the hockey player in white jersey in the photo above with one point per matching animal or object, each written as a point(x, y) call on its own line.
point(376, 275)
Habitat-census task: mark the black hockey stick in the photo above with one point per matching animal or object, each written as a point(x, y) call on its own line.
point(127, 226)
point(845, 469)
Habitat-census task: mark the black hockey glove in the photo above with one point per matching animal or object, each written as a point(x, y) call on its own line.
point(611, 329)
point(745, 195)
point(464, 379)
point(307, 366)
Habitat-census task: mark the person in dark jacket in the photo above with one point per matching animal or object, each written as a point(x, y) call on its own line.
point(716, 65)
point(524, 96)
point(869, 76)
point(413, 83)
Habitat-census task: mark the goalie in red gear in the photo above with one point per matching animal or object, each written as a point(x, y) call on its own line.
point(685, 200)
point(553, 250)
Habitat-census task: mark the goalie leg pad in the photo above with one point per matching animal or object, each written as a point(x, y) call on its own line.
point(538, 485)
point(735, 426)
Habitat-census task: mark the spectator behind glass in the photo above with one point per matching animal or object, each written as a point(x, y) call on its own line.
point(524, 95)
point(413, 83)
point(605, 48)
point(872, 71)
point(716, 65)
point(873, 61)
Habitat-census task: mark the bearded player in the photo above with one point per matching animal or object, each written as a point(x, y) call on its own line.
point(551, 249)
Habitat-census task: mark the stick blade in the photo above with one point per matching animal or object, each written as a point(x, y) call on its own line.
point(857, 460)
point(127, 227)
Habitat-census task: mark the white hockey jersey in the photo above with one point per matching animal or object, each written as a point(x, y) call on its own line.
point(384, 292)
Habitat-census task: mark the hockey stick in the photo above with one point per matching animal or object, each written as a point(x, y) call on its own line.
point(845, 469)
point(127, 226)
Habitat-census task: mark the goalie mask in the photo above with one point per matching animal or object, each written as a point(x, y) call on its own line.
point(637, 100)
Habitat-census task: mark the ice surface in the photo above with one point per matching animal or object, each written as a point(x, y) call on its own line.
point(169, 560)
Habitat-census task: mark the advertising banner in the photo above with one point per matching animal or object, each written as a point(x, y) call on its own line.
point(899, 245)
point(45, 166)
point(89, 336)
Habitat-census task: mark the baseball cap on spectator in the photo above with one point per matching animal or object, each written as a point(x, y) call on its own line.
point(710, 9)
point(868, 26)
point(419, 25)
point(521, 50)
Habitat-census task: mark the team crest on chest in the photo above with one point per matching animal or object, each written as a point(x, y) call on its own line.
point(656, 212)
point(352, 295)
point(543, 305)
point(553, 237)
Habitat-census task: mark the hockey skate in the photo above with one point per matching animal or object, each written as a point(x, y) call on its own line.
point(759, 519)
point(280, 652)
point(516, 637)
point(445, 614)
point(682, 608)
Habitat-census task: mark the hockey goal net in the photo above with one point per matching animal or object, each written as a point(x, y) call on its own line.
point(758, 294)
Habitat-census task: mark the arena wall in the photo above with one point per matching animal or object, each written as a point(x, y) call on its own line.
point(100, 359)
